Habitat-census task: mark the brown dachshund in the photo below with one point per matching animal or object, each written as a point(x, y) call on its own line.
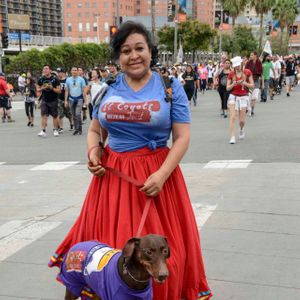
point(140, 260)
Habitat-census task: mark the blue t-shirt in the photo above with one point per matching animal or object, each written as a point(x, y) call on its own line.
point(144, 118)
point(75, 87)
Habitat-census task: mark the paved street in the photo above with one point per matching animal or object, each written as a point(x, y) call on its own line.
point(246, 199)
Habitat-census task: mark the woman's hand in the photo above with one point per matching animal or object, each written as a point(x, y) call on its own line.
point(94, 164)
point(154, 184)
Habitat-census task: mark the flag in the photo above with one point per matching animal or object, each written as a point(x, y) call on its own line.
point(267, 48)
point(179, 58)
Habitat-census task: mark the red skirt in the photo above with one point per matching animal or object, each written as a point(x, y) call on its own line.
point(112, 211)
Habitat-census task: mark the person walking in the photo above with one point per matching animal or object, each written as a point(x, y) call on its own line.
point(29, 98)
point(63, 111)
point(267, 68)
point(22, 83)
point(238, 84)
point(222, 86)
point(274, 76)
point(48, 89)
point(137, 117)
point(5, 99)
point(290, 71)
point(255, 66)
point(190, 82)
point(75, 98)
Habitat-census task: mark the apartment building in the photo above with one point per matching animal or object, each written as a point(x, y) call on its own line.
point(45, 16)
point(90, 20)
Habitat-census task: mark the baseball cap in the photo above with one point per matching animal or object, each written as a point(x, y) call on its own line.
point(2, 74)
point(60, 70)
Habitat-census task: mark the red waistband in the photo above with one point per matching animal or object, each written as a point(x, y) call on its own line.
point(139, 152)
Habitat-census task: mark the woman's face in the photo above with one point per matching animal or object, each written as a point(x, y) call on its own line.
point(135, 56)
point(94, 75)
point(189, 69)
point(227, 64)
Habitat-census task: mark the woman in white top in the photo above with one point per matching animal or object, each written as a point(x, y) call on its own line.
point(93, 88)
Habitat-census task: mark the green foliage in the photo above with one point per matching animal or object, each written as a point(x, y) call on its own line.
point(64, 56)
point(241, 42)
point(193, 35)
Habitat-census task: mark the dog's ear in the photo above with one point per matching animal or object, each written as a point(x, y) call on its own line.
point(169, 254)
point(130, 246)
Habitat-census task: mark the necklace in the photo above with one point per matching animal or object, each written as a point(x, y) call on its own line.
point(126, 271)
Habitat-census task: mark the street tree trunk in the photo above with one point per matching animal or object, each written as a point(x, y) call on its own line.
point(261, 31)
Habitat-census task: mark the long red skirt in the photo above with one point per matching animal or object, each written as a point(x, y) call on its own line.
point(112, 211)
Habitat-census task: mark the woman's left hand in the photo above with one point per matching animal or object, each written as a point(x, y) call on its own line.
point(154, 184)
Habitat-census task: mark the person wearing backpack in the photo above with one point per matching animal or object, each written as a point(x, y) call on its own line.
point(238, 84)
point(137, 117)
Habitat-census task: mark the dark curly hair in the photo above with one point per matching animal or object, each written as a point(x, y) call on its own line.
point(126, 29)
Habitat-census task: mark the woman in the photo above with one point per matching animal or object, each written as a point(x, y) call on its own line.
point(94, 87)
point(238, 84)
point(203, 78)
point(30, 95)
point(138, 121)
point(222, 84)
point(190, 82)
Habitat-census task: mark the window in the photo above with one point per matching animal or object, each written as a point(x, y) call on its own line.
point(79, 4)
point(87, 14)
point(88, 39)
point(80, 27)
point(106, 26)
point(95, 26)
point(79, 15)
point(69, 27)
point(69, 5)
point(87, 27)
point(105, 14)
point(69, 15)
point(94, 4)
point(138, 11)
point(105, 4)
point(87, 4)
point(95, 39)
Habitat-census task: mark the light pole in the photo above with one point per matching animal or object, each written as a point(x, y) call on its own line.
point(175, 33)
point(220, 28)
point(118, 14)
point(153, 19)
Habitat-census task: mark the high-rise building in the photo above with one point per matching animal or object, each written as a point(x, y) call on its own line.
point(45, 16)
point(90, 20)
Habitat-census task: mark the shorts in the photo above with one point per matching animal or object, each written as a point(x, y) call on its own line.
point(255, 94)
point(240, 102)
point(62, 110)
point(210, 80)
point(5, 102)
point(289, 80)
point(49, 108)
point(273, 83)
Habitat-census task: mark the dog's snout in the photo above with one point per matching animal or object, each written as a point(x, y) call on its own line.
point(162, 277)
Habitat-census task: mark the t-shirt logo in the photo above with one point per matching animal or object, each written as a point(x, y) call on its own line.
point(74, 261)
point(130, 111)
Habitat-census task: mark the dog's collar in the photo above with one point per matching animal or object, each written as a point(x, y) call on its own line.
point(126, 271)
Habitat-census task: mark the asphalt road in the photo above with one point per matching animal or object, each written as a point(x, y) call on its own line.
point(246, 199)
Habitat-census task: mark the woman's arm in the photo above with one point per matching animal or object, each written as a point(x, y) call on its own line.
point(249, 84)
point(230, 84)
point(93, 139)
point(181, 139)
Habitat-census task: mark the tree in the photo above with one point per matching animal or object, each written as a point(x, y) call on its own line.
point(193, 35)
point(242, 41)
point(285, 11)
point(64, 56)
point(261, 7)
point(234, 7)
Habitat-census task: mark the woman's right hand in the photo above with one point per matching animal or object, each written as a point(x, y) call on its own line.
point(94, 165)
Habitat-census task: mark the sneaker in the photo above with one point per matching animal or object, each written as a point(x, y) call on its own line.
point(10, 120)
point(28, 124)
point(232, 140)
point(225, 116)
point(42, 133)
point(272, 97)
point(60, 130)
point(31, 124)
point(288, 94)
point(71, 127)
point(76, 132)
point(55, 132)
point(3, 120)
point(242, 134)
point(252, 113)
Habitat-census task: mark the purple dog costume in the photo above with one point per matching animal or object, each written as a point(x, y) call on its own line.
point(92, 268)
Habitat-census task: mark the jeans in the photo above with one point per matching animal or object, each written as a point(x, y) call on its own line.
point(265, 91)
point(76, 109)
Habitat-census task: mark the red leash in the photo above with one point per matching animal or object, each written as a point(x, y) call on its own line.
point(132, 181)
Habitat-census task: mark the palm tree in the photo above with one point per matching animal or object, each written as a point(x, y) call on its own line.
point(235, 7)
point(261, 7)
point(285, 11)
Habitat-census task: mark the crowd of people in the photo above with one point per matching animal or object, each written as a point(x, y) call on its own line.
point(143, 105)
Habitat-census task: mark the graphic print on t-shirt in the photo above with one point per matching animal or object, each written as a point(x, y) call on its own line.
point(118, 110)
point(74, 261)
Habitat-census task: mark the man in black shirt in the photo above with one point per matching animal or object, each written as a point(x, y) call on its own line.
point(290, 71)
point(48, 88)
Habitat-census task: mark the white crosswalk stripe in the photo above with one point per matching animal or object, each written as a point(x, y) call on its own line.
point(17, 234)
point(17, 105)
point(228, 164)
point(2, 162)
point(55, 166)
point(203, 213)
